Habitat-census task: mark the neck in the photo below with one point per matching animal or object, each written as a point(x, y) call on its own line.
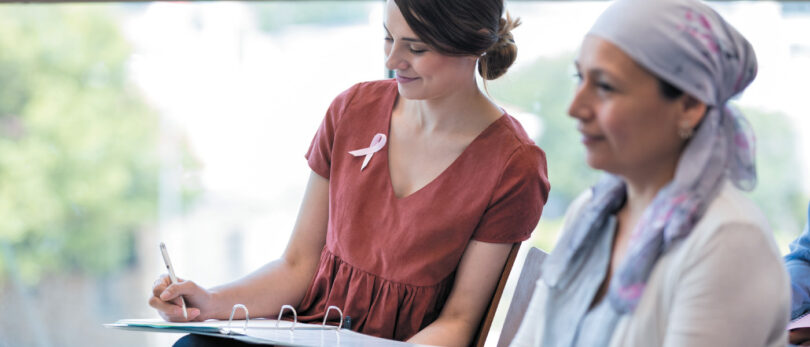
point(458, 110)
point(643, 186)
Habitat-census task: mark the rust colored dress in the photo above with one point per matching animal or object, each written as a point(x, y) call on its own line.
point(389, 262)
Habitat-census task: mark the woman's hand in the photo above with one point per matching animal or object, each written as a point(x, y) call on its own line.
point(166, 300)
point(799, 337)
point(263, 292)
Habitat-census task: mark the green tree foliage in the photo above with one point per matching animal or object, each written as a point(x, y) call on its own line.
point(779, 187)
point(78, 166)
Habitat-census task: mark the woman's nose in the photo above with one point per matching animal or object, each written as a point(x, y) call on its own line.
point(579, 107)
point(394, 60)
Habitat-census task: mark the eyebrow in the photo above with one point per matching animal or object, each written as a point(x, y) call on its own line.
point(597, 72)
point(409, 39)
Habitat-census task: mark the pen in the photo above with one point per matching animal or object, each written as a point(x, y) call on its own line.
point(171, 274)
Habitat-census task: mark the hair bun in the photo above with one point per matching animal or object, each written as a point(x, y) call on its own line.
point(499, 57)
point(505, 27)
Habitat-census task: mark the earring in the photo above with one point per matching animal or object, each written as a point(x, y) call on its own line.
point(685, 133)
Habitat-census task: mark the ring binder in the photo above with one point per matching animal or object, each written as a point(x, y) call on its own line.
point(267, 331)
point(295, 316)
point(227, 330)
point(326, 315)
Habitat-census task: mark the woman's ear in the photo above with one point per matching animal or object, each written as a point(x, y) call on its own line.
point(693, 111)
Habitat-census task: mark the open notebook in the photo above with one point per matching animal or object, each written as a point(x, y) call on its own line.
point(802, 322)
point(264, 331)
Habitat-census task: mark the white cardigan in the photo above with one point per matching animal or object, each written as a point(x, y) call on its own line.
point(724, 285)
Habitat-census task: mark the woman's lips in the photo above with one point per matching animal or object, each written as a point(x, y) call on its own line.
point(591, 139)
point(403, 79)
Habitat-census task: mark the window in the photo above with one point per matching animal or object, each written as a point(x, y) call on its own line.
point(126, 124)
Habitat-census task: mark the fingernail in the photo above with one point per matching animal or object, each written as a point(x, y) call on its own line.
point(164, 295)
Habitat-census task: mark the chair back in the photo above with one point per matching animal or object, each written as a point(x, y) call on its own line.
point(523, 294)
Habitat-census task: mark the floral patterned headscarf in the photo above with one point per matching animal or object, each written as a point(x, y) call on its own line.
point(689, 45)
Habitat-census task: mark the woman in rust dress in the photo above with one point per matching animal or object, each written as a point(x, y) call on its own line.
point(419, 187)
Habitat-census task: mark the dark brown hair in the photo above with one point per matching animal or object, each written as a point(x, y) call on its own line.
point(465, 27)
point(668, 90)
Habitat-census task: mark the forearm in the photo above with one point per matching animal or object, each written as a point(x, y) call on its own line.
point(264, 291)
point(476, 278)
point(798, 266)
point(799, 271)
point(446, 332)
point(284, 281)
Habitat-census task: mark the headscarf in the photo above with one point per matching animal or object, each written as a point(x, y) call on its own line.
point(689, 45)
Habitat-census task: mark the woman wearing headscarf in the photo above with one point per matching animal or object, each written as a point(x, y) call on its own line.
point(665, 250)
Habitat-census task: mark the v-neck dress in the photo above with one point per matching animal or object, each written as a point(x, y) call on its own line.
point(389, 262)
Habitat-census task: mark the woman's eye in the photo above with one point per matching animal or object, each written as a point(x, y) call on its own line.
point(388, 39)
point(578, 77)
point(415, 50)
point(605, 87)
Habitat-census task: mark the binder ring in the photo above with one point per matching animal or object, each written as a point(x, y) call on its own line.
point(228, 329)
point(326, 315)
point(295, 316)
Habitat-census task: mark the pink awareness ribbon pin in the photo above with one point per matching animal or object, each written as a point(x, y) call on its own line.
point(377, 143)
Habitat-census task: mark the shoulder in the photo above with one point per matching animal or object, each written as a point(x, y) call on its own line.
point(368, 92)
point(509, 141)
point(732, 206)
point(732, 235)
point(730, 215)
point(375, 87)
point(511, 162)
point(364, 98)
point(513, 133)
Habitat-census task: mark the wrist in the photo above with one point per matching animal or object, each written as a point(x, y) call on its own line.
point(219, 306)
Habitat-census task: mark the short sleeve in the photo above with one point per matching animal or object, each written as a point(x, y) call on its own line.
point(319, 155)
point(518, 198)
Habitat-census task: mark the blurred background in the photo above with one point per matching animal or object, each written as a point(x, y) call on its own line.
point(126, 124)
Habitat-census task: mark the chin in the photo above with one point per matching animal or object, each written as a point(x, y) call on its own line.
point(411, 93)
point(596, 163)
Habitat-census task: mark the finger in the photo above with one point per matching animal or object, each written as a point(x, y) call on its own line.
point(163, 307)
point(168, 311)
point(194, 314)
point(175, 290)
point(177, 301)
point(171, 292)
point(160, 284)
point(158, 288)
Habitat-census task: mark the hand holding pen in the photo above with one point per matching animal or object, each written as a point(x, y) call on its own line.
point(169, 268)
point(170, 295)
